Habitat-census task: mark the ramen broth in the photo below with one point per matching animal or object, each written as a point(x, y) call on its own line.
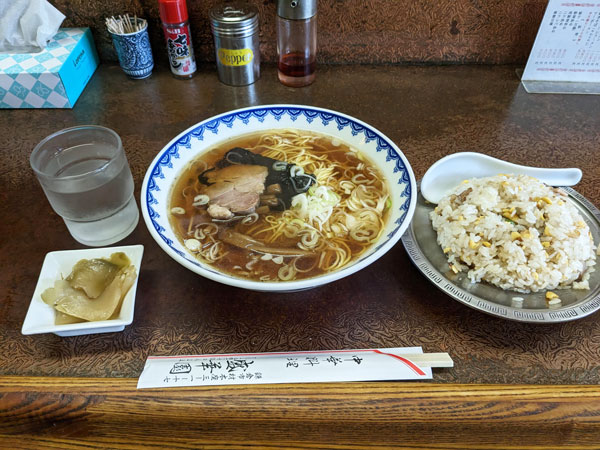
point(335, 221)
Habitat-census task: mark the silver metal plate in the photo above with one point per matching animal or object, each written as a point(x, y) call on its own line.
point(420, 241)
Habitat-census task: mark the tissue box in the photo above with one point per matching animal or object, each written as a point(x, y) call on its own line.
point(52, 78)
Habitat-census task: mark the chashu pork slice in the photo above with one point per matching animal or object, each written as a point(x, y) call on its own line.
point(234, 189)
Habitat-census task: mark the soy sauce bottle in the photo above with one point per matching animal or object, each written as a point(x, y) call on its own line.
point(297, 41)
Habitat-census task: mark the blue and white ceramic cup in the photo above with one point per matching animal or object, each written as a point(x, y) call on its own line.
point(134, 52)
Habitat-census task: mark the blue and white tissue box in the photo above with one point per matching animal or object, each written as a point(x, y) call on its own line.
point(52, 78)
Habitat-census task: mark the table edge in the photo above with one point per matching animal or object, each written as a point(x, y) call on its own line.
point(31, 407)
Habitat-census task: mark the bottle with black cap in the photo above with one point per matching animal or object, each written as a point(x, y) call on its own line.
point(297, 41)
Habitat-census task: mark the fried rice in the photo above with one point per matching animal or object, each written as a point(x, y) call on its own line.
point(516, 233)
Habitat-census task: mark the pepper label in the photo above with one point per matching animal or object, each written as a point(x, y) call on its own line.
point(231, 57)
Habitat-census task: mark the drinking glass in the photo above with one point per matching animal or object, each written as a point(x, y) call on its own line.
point(87, 180)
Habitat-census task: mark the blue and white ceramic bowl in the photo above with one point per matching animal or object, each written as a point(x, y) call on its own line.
point(134, 52)
point(173, 158)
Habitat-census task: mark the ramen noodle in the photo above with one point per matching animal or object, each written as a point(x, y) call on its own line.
point(280, 205)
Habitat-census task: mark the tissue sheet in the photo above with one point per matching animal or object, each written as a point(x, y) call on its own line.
point(27, 25)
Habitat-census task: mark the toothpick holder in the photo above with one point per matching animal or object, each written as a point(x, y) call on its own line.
point(134, 51)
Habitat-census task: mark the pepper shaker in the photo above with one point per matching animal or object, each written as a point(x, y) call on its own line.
point(235, 31)
point(297, 41)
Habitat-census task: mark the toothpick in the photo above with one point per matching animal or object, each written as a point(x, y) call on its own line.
point(124, 24)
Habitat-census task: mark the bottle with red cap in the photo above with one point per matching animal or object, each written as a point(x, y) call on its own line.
point(174, 17)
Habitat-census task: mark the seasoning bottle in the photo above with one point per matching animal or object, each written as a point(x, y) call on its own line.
point(297, 41)
point(235, 31)
point(174, 17)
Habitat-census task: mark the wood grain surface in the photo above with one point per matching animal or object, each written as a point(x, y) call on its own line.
point(514, 385)
point(428, 112)
point(109, 413)
point(353, 31)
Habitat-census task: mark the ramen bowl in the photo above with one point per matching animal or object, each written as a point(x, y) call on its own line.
point(173, 159)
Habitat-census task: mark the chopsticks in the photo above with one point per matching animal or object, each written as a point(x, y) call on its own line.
point(125, 24)
point(429, 359)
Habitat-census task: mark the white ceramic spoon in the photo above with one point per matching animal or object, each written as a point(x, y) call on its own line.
point(450, 171)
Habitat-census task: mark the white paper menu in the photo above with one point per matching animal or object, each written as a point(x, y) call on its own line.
point(282, 367)
point(566, 49)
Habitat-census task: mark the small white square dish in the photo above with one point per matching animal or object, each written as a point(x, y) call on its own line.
point(40, 317)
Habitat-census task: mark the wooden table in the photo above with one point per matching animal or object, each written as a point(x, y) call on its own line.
point(514, 385)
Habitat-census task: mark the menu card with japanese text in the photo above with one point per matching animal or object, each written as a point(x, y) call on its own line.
point(284, 367)
point(566, 54)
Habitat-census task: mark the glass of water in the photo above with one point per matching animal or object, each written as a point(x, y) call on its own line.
point(85, 175)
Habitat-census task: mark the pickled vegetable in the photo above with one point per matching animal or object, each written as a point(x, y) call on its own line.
point(92, 276)
point(93, 291)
